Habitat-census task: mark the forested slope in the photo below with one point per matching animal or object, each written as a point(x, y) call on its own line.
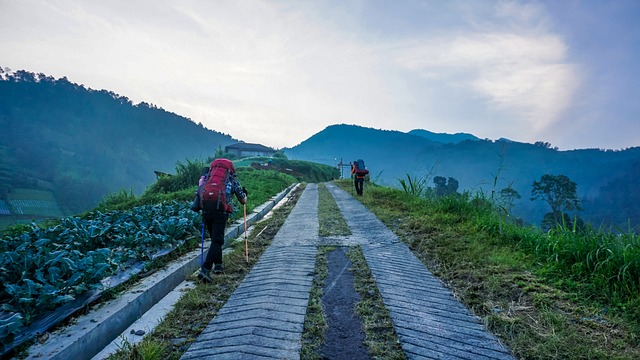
point(80, 143)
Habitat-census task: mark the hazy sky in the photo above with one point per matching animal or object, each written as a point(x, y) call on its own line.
point(277, 72)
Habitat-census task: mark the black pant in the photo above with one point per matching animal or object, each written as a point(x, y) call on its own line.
point(359, 182)
point(215, 223)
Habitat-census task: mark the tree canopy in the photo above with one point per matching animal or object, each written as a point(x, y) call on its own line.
point(559, 192)
point(444, 186)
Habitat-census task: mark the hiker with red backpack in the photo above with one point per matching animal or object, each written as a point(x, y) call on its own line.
point(215, 193)
point(359, 171)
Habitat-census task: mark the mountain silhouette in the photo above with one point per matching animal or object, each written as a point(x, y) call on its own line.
point(442, 137)
point(604, 177)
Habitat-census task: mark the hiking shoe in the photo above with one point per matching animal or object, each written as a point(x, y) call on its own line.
point(205, 275)
point(217, 269)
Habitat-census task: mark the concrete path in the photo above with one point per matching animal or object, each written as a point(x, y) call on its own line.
point(263, 318)
point(429, 321)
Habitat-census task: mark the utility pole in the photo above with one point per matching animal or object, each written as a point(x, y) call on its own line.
point(341, 166)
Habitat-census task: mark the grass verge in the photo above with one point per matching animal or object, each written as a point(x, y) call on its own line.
point(330, 219)
point(315, 321)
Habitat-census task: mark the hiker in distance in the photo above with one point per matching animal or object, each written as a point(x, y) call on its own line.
point(359, 171)
point(216, 191)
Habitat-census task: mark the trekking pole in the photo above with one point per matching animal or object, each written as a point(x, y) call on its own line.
point(202, 251)
point(353, 185)
point(246, 241)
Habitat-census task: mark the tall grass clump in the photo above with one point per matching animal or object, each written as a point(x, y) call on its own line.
point(606, 265)
point(594, 264)
point(186, 176)
point(419, 185)
point(599, 265)
point(179, 187)
point(416, 186)
point(117, 198)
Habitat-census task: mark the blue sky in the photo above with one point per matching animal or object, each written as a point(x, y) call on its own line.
point(277, 72)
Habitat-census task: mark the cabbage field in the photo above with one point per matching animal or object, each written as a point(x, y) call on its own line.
point(45, 267)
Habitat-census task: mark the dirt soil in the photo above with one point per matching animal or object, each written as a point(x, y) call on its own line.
point(344, 336)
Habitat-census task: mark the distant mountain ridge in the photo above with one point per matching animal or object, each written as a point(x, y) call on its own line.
point(443, 137)
point(604, 178)
point(80, 143)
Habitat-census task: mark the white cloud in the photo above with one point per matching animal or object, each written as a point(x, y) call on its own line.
point(274, 75)
point(523, 74)
point(278, 72)
point(258, 70)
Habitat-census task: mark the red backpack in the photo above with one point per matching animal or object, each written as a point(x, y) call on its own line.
point(216, 191)
point(360, 168)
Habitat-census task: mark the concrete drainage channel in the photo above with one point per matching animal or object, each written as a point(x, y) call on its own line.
point(92, 333)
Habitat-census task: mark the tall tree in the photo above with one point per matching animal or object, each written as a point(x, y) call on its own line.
point(559, 192)
point(452, 186)
point(440, 185)
point(507, 197)
point(444, 186)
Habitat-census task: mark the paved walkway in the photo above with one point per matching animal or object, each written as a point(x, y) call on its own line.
point(263, 318)
point(429, 321)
